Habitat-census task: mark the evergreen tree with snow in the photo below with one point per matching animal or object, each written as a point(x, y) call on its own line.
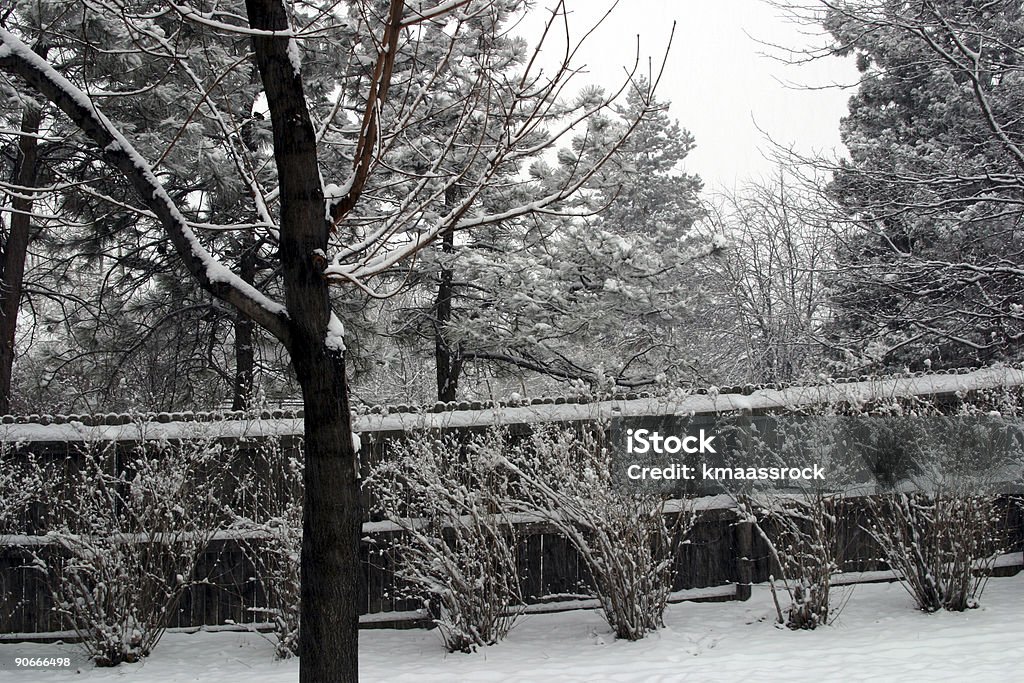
point(935, 182)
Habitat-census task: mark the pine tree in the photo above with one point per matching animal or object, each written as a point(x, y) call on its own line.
point(935, 182)
point(597, 295)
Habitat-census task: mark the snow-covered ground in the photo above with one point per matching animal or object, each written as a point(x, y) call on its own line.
point(878, 636)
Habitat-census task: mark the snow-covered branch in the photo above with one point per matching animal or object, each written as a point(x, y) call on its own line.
point(17, 58)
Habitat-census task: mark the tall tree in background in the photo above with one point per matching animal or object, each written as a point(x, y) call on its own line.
point(347, 232)
point(16, 237)
point(590, 298)
point(16, 224)
point(935, 180)
point(105, 287)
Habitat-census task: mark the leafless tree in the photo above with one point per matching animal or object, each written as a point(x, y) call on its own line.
point(770, 303)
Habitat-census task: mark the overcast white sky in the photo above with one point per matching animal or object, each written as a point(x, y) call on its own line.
point(721, 85)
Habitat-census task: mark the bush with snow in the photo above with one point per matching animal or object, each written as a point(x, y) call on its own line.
point(27, 485)
point(940, 526)
point(797, 520)
point(457, 548)
point(800, 533)
point(563, 476)
point(132, 529)
point(267, 509)
point(941, 543)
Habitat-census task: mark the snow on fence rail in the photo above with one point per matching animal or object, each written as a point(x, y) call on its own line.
point(238, 425)
point(721, 558)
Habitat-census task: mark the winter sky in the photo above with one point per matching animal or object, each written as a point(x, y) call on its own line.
point(722, 86)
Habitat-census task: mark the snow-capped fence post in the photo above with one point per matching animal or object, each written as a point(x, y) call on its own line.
point(744, 558)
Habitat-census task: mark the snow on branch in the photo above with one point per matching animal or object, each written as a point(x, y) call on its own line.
point(462, 174)
point(19, 59)
point(414, 17)
point(208, 19)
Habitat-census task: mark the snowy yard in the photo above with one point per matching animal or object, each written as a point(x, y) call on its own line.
point(878, 636)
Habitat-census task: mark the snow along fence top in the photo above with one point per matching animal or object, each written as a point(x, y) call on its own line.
point(464, 414)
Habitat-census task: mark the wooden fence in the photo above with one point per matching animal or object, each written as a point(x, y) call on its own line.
point(720, 560)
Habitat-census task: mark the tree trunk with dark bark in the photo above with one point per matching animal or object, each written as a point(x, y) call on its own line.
point(447, 357)
point(245, 363)
point(332, 517)
point(15, 248)
point(331, 525)
point(245, 336)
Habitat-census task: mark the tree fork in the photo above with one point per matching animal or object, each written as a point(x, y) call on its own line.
point(332, 516)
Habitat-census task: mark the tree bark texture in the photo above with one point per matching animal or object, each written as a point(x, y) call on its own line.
point(15, 247)
point(245, 335)
point(332, 517)
point(447, 358)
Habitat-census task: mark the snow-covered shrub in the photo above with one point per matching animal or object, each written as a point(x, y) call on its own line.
point(796, 518)
point(456, 548)
point(27, 485)
point(12, 491)
point(133, 529)
point(800, 533)
point(563, 476)
point(942, 544)
point(24, 486)
point(266, 510)
point(941, 529)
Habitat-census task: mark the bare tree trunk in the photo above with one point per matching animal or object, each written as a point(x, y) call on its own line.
point(332, 516)
point(15, 248)
point(447, 359)
point(245, 363)
point(331, 524)
point(245, 336)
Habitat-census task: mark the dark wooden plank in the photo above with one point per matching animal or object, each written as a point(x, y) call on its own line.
point(372, 598)
point(36, 598)
point(555, 565)
point(183, 610)
point(531, 575)
point(200, 590)
point(251, 589)
point(17, 619)
point(233, 579)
